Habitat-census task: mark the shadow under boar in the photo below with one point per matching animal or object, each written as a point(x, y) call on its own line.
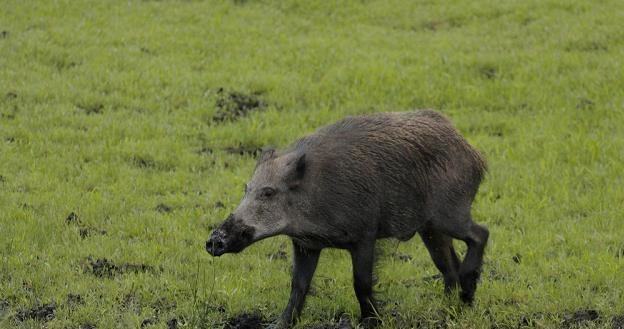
point(388, 175)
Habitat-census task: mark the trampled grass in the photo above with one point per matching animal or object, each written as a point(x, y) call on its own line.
point(107, 111)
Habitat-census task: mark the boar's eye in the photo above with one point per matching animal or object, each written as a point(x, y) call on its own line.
point(267, 192)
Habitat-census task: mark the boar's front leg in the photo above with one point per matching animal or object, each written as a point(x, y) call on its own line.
point(362, 256)
point(304, 265)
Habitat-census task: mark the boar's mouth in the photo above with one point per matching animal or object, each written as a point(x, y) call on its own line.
point(231, 237)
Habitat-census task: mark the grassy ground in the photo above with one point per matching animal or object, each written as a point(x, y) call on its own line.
point(113, 111)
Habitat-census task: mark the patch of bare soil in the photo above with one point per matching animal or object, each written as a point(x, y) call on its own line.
point(105, 268)
point(232, 105)
point(245, 321)
point(40, 312)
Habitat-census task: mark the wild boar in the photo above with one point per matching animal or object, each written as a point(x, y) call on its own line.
point(387, 175)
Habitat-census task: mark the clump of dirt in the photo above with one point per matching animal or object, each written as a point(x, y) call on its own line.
point(161, 207)
point(147, 322)
point(40, 312)
point(244, 150)
point(580, 316)
point(72, 218)
point(402, 257)
point(103, 267)
point(232, 105)
point(618, 322)
point(245, 321)
point(172, 324)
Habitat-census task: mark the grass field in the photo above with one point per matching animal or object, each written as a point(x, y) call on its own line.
point(128, 128)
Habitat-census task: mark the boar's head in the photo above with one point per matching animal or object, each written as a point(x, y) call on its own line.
point(272, 203)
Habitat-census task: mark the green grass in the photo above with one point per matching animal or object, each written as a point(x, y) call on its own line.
point(105, 106)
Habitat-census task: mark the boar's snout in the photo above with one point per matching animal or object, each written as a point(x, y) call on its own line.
point(216, 244)
point(231, 237)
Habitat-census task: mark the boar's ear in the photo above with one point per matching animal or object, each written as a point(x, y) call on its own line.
point(296, 168)
point(267, 153)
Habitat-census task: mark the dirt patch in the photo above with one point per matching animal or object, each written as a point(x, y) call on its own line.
point(148, 322)
point(232, 105)
point(161, 207)
point(40, 312)
point(617, 322)
point(571, 320)
point(253, 151)
point(87, 325)
point(172, 323)
point(104, 268)
point(72, 218)
point(245, 321)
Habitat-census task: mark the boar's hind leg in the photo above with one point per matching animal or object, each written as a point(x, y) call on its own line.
point(304, 265)
point(475, 236)
point(362, 256)
point(440, 247)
